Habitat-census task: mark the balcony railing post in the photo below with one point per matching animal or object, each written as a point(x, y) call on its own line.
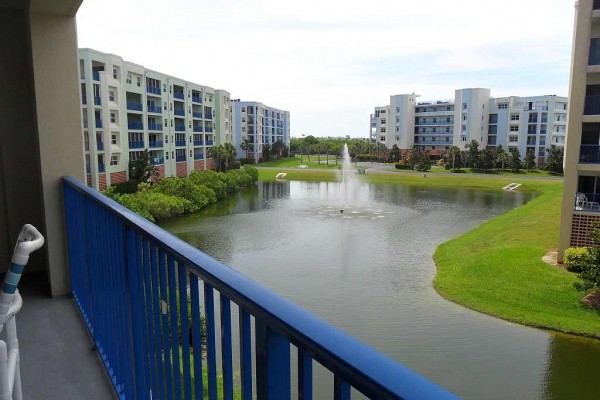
point(135, 309)
point(272, 363)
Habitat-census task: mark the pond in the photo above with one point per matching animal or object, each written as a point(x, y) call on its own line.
point(368, 270)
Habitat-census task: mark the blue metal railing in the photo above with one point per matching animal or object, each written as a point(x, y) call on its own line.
point(138, 144)
point(100, 146)
point(208, 129)
point(180, 143)
point(592, 105)
point(101, 168)
point(198, 156)
point(97, 100)
point(198, 142)
point(98, 123)
point(207, 116)
point(179, 112)
point(154, 109)
point(179, 95)
point(197, 114)
point(198, 128)
point(157, 161)
point(180, 127)
point(587, 202)
point(128, 277)
point(209, 142)
point(196, 99)
point(153, 89)
point(589, 154)
point(154, 127)
point(155, 143)
point(96, 75)
point(135, 125)
point(179, 158)
point(135, 106)
point(85, 124)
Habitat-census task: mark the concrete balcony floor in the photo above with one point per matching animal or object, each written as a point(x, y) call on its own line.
point(58, 360)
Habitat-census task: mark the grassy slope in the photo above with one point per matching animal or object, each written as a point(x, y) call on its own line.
point(497, 268)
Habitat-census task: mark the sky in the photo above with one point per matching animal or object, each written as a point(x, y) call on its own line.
point(330, 62)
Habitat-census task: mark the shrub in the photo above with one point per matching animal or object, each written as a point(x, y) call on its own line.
point(211, 180)
point(577, 259)
point(136, 204)
point(244, 161)
point(126, 187)
point(236, 165)
point(163, 206)
point(197, 196)
point(253, 172)
point(402, 165)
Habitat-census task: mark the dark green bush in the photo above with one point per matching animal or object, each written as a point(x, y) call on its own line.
point(576, 259)
point(126, 187)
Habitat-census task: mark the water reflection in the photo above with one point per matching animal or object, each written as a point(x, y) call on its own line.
point(371, 275)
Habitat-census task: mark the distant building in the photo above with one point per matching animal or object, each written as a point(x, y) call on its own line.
point(259, 125)
point(527, 123)
point(581, 196)
point(127, 108)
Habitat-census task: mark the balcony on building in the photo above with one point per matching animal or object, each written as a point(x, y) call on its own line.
point(178, 95)
point(138, 126)
point(154, 109)
point(208, 129)
point(198, 142)
point(587, 197)
point(155, 144)
point(179, 112)
point(180, 158)
point(207, 116)
point(197, 128)
point(135, 106)
point(152, 126)
point(198, 156)
point(98, 123)
point(196, 97)
point(180, 143)
point(95, 75)
point(179, 127)
point(83, 98)
point(153, 90)
point(97, 101)
point(209, 142)
point(589, 151)
point(100, 146)
point(101, 168)
point(157, 160)
point(137, 144)
point(196, 114)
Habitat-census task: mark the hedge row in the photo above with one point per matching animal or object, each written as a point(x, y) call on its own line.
point(172, 197)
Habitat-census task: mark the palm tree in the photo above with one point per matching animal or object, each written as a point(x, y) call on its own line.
point(228, 154)
point(246, 145)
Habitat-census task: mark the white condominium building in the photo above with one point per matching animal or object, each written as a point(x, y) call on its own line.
point(127, 108)
point(258, 125)
point(527, 123)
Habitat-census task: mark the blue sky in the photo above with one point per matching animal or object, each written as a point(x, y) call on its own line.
point(330, 62)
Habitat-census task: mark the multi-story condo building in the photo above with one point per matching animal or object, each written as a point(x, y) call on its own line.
point(259, 125)
point(527, 123)
point(581, 196)
point(127, 108)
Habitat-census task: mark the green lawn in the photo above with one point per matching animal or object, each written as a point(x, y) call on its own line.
point(497, 268)
point(293, 162)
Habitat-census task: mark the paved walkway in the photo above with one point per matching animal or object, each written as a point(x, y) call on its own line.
point(58, 361)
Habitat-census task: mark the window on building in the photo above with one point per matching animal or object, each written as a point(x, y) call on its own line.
point(513, 139)
point(114, 159)
point(139, 80)
point(111, 95)
point(464, 117)
point(113, 138)
point(514, 128)
point(502, 106)
point(447, 129)
point(382, 130)
point(463, 138)
point(115, 75)
point(383, 120)
point(514, 117)
point(129, 79)
point(434, 129)
point(464, 106)
point(464, 128)
point(113, 118)
point(382, 138)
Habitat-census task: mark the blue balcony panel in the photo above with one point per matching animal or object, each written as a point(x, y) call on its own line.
point(592, 105)
point(197, 114)
point(157, 161)
point(180, 127)
point(207, 116)
point(98, 123)
point(153, 90)
point(180, 143)
point(118, 258)
point(101, 168)
point(208, 129)
point(198, 156)
point(154, 109)
point(198, 142)
point(196, 99)
point(209, 142)
point(179, 112)
point(180, 158)
point(197, 128)
point(179, 95)
point(136, 144)
point(100, 146)
point(135, 125)
point(135, 106)
point(96, 75)
point(97, 100)
point(154, 127)
point(155, 143)
point(589, 154)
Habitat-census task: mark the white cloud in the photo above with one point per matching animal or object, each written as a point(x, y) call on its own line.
point(330, 62)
